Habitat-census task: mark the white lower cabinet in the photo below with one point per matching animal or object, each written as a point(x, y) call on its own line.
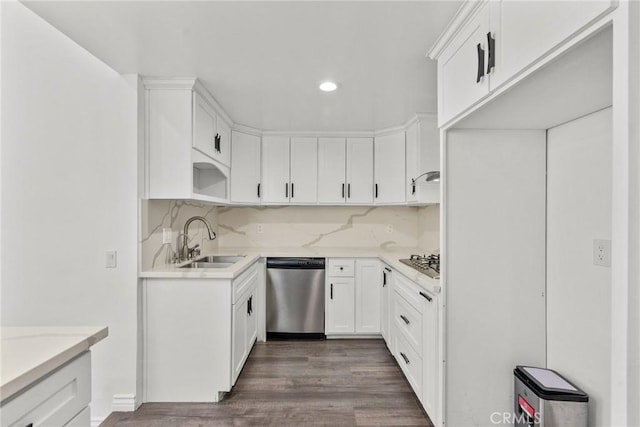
point(197, 335)
point(352, 298)
point(60, 399)
point(385, 300)
point(413, 335)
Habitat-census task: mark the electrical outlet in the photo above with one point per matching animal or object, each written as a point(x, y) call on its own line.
point(602, 252)
point(259, 228)
point(166, 235)
point(110, 259)
point(389, 228)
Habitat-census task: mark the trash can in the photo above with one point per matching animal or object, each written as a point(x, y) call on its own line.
point(543, 398)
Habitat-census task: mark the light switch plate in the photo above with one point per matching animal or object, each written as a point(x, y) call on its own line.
point(110, 259)
point(602, 252)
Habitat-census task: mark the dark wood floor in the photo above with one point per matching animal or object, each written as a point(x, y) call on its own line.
point(295, 383)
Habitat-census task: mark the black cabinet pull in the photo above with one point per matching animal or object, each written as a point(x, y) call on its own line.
point(413, 189)
point(384, 279)
point(404, 319)
point(349, 191)
point(480, 63)
point(406, 359)
point(286, 190)
point(258, 190)
point(292, 190)
point(332, 291)
point(426, 296)
point(491, 42)
point(343, 190)
point(29, 425)
point(376, 191)
point(387, 269)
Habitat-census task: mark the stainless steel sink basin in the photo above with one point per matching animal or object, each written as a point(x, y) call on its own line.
point(230, 259)
point(202, 264)
point(214, 261)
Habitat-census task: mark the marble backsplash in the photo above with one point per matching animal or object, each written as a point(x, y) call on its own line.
point(387, 227)
point(159, 214)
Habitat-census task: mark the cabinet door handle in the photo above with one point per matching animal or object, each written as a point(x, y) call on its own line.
point(332, 291)
point(480, 63)
point(413, 189)
point(387, 269)
point(384, 279)
point(258, 190)
point(286, 190)
point(292, 190)
point(343, 190)
point(404, 356)
point(406, 321)
point(491, 43)
point(376, 190)
point(426, 296)
point(349, 191)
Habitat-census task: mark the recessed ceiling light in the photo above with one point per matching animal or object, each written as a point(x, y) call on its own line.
point(328, 86)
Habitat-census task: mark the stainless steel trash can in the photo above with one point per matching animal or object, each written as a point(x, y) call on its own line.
point(543, 398)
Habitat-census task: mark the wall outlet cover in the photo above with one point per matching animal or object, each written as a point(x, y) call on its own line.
point(259, 229)
point(389, 228)
point(602, 252)
point(167, 235)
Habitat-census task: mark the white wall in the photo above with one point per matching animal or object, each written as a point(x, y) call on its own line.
point(578, 292)
point(69, 173)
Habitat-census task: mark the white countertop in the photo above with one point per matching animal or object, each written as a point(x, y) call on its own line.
point(389, 256)
point(30, 353)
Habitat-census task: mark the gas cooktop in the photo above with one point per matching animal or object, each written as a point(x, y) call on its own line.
point(429, 265)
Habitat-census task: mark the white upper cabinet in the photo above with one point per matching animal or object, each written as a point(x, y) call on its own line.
point(492, 42)
point(304, 171)
point(275, 169)
point(224, 142)
point(289, 170)
point(359, 171)
point(389, 185)
point(331, 170)
point(245, 168)
point(423, 155)
point(526, 30)
point(462, 76)
point(181, 143)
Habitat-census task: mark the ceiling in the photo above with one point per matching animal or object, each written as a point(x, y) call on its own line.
point(263, 60)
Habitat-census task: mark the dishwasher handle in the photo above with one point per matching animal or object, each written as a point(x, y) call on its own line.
point(296, 263)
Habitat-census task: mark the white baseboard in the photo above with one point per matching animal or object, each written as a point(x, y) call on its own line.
point(96, 421)
point(123, 403)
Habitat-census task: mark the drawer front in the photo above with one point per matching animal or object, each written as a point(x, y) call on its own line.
point(410, 363)
point(55, 400)
point(243, 283)
point(341, 267)
point(409, 290)
point(408, 321)
point(83, 419)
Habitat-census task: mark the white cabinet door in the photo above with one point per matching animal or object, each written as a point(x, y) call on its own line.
point(331, 170)
point(423, 155)
point(368, 289)
point(304, 171)
point(205, 128)
point(224, 149)
point(275, 169)
point(359, 170)
point(252, 319)
point(387, 277)
point(524, 31)
point(430, 367)
point(240, 344)
point(389, 186)
point(245, 168)
point(462, 67)
point(340, 305)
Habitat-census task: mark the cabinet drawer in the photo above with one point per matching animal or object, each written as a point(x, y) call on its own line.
point(408, 321)
point(341, 267)
point(409, 290)
point(241, 284)
point(410, 363)
point(55, 400)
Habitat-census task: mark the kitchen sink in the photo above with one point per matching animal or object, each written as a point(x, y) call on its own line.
point(214, 261)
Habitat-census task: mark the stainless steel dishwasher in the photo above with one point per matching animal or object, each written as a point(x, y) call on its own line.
point(295, 298)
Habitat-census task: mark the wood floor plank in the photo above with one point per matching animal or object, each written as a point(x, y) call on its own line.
point(300, 383)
